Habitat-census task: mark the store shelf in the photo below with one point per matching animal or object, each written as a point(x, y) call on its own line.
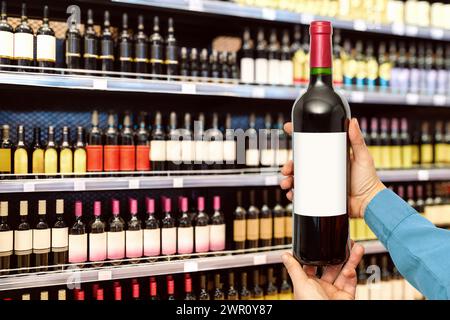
point(236, 10)
point(114, 82)
point(73, 275)
point(189, 179)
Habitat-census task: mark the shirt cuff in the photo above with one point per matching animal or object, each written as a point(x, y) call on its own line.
point(385, 212)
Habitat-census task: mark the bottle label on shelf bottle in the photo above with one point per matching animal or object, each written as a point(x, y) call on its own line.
point(66, 161)
point(320, 174)
point(202, 239)
point(5, 160)
point(20, 161)
point(112, 158)
point(281, 157)
point(252, 157)
point(38, 161)
point(252, 229)
point(60, 239)
point(46, 48)
point(23, 46)
point(288, 226)
point(278, 227)
point(152, 242)
point(185, 240)
point(142, 158)
point(79, 161)
point(217, 237)
point(247, 70)
point(7, 47)
point(168, 241)
point(97, 246)
point(261, 71)
point(229, 151)
point(94, 158)
point(41, 240)
point(173, 151)
point(239, 230)
point(23, 241)
point(187, 151)
point(267, 157)
point(6, 242)
point(51, 161)
point(215, 151)
point(407, 156)
point(426, 153)
point(116, 245)
point(158, 150)
point(78, 248)
point(274, 71)
point(127, 155)
point(201, 151)
point(134, 243)
point(286, 72)
point(265, 228)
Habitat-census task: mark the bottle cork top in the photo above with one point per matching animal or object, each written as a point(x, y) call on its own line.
point(59, 206)
point(23, 208)
point(3, 209)
point(42, 207)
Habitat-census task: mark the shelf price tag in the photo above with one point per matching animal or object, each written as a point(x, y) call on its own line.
point(439, 100)
point(29, 187)
point(436, 33)
point(269, 14)
point(100, 84)
point(188, 88)
point(412, 98)
point(306, 18)
point(178, 182)
point(79, 185)
point(423, 175)
point(398, 28)
point(259, 259)
point(190, 266)
point(357, 97)
point(133, 184)
point(196, 5)
point(412, 30)
point(258, 92)
point(360, 25)
point(271, 180)
point(104, 275)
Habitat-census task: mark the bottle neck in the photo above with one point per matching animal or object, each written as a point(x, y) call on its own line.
point(321, 59)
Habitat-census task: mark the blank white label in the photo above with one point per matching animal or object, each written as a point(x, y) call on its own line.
point(320, 178)
point(134, 245)
point(201, 151)
point(437, 33)
point(169, 241)
point(185, 237)
point(41, 239)
point(398, 28)
point(252, 157)
point(412, 30)
point(202, 239)
point(261, 71)
point(46, 48)
point(79, 185)
point(104, 275)
point(269, 14)
point(134, 184)
point(215, 151)
point(286, 72)
point(152, 242)
point(28, 187)
point(187, 151)
point(7, 41)
point(178, 182)
point(259, 92)
point(173, 151)
point(247, 70)
point(271, 180)
point(60, 237)
point(274, 71)
point(229, 150)
point(97, 246)
point(412, 98)
point(360, 25)
point(281, 157)
point(100, 84)
point(78, 246)
point(23, 240)
point(158, 150)
point(260, 259)
point(6, 241)
point(423, 175)
point(116, 245)
point(217, 237)
point(23, 45)
point(188, 88)
point(267, 157)
point(190, 266)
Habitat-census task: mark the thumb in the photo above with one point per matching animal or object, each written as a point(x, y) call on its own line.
point(294, 269)
point(356, 138)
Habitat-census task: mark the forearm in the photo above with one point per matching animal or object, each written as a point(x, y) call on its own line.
point(420, 251)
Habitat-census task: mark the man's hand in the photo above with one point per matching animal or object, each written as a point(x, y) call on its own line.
point(364, 182)
point(336, 283)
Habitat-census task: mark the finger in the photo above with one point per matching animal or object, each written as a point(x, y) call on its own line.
point(346, 280)
point(288, 127)
point(310, 270)
point(289, 195)
point(287, 183)
point(288, 168)
point(360, 151)
point(298, 276)
point(331, 272)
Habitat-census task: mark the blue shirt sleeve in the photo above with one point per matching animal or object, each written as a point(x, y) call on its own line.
point(420, 250)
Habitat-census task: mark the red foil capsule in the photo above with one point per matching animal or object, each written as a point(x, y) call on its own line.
point(94, 158)
point(127, 158)
point(112, 158)
point(143, 158)
point(320, 51)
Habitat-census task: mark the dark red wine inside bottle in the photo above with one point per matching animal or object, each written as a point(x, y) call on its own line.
point(320, 119)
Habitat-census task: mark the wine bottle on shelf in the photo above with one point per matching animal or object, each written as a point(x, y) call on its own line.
point(229, 145)
point(403, 75)
point(420, 203)
point(232, 62)
point(189, 295)
point(217, 230)
point(78, 240)
point(385, 141)
point(286, 73)
point(393, 58)
point(384, 67)
point(21, 153)
point(106, 46)
point(60, 236)
point(306, 50)
point(45, 44)
point(218, 292)
point(79, 154)
point(111, 148)
point(279, 223)
point(267, 150)
point(23, 240)
point(247, 59)
point(171, 61)
point(447, 142)
point(187, 144)
point(361, 70)
point(282, 148)
point(73, 45)
point(142, 146)
point(338, 77)
point(116, 235)
point(173, 144)
point(251, 145)
point(117, 291)
point(253, 216)
point(414, 73)
point(285, 287)
point(202, 228)
point(156, 49)
point(395, 142)
point(320, 227)
point(141, 48)
point(261, 61)
point(185, 230)
point(203, 295)
point(232, 293)
point(406, 143)
point(97, 237)
point(239, 224)
point(7, 38)
point(265, 222)
point(441, 72)
point(350, 66)
point(37, 150)
point(421, 67)
point(288, 223)
point(94, 148)
point(430, 68)
point(24, 42)
point(297, 55)
point(90, 54)
point(170, 288)
point(41, 238)
point(152, 231)
point(373, 141)
point(125, 47)
point(135, 290)
point(371, 66)
point(426, 145)
point(439, 144)
point(204, 63)
point(273, 69)
point(184, 63)
point(168, 230)
point(214, 65)
point(257, 292)
point(225, 71)
point(215, 144)
point(194, 66)
point(201, 144)
point(153, 289)
point(271, 289)
point(410, 195)
point(158, 145)
point(127, 149)
point(6, 151)
point(134, 234)
point(66, 154)
point(244, 293)
point(6, 240)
